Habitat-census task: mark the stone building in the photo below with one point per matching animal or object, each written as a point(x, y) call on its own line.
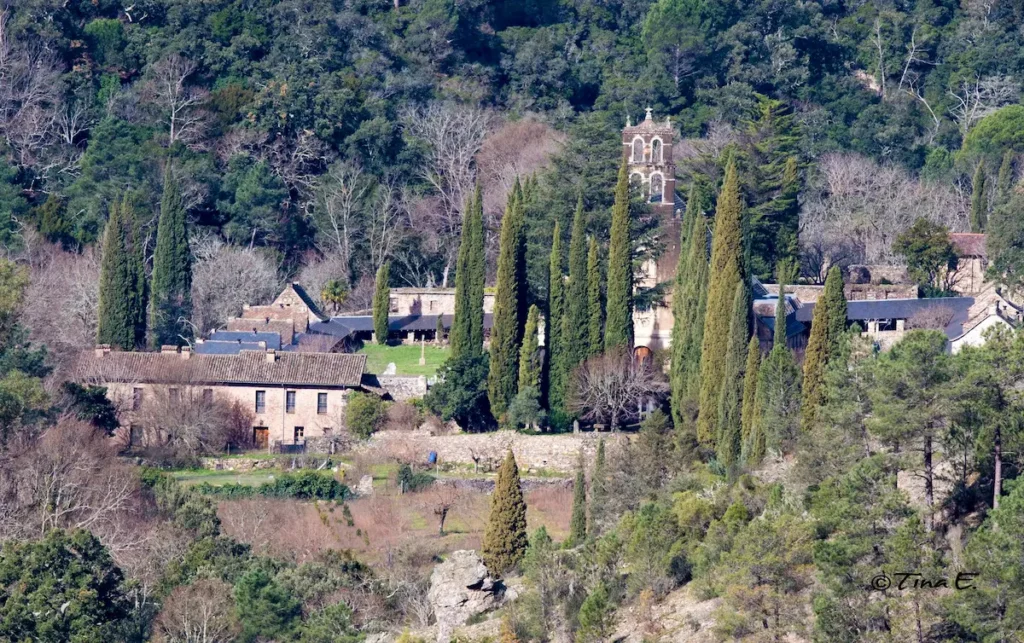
point(429, 301)
point(648, 149)
point(290, 397)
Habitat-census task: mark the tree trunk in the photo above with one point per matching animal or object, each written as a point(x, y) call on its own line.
point(997, 484)
point(929, 481)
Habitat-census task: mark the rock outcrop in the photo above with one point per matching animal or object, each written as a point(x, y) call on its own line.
point(461, 588)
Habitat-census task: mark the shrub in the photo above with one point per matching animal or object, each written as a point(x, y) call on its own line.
point(364, 414)
point(304, 485)
point(408, 480)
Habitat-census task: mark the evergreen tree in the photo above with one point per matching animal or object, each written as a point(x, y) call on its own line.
point(505, 538)
point(730, 401)
point(575, 322)
point(1004, 182)
point(749, 391)
point(529, 366)
point(979, 200)
point(119, 288)
point(776, 400)
point(382, 303)
point(726, 270)
point(140, 304)
point(578, 523)
point(787, 208)
point(597, 488)
point(461, 334)
point(618, 328)
point(595, 304)
point(475, 264)
point(171, 292)
point(596, 616)
point(506, 331)
point(553, 324)
point(827, 327)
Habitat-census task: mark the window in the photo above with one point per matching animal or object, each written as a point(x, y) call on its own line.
point(656, 151)
point(432, 305)
point(134, 435)
point(394, 305)
point(289, 402)
point(327, 431)
point(136, 399)
point(638, 150)
point(261, 401)
point(657, 188)
point(175, 395)
point(321, 403)
point(300, 435)
point(207, 396)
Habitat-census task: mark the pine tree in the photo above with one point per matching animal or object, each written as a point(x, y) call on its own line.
point(787, 209)
point(382, 303)
point(506, 331)
point(171, 292)
point(595, 304)
point(730, 400)
point(749, 391)
point(121, 292)
point(529, 368)
point(578, 523)
point(553, 324)
point(726, 270)
point(979, 200)
point(597, 489)
point(1004, 182)
point(460, 336)
point(505, 538)
point(827, 327)
point(618, 327)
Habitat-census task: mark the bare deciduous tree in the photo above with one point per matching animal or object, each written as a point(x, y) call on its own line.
point(515, 149)
point(441, 498)
point(185, 418)
point(931, 318)
point(341, 199)
point(224, 278)
point(610, 388)
point(975, 99)
point(178, 103)
point(386, 224)
point(202, 612)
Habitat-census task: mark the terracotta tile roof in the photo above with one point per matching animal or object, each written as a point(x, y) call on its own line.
point(247, 367)
point(969, 244)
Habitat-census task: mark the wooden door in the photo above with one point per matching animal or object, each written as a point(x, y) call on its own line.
point(260, 435)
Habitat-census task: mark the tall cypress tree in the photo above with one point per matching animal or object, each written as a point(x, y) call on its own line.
point(749, 391)
point(776, 402)
point(462, 335)
point(116, 317)
point(505, 539)
point(139, 284)
point(595, 303)
point(553, 324)
point(475, 264)
point(529, 367)
point(979, 200)
point(382, 303)
point(726, 270)
point(730, 400)
point(575, 322)
point(1004, 182)
point(788, 211)
point(578, 523)
point(598, 489)
point(827, 327)
point(506, 330)
point(689, 288)
point(171, 292)
point(618, 326)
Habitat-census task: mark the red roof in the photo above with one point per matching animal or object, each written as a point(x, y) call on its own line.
point(969, 244)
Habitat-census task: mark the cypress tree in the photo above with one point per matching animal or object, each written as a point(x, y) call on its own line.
point(776, 404)
point(726, 270)
point(688, 291)
point(475, 264)
point(529, 368)
point(466, 334)
point(827, 327)
point(506, 330)
point(730, 401)
point(553, 324)
point(136, 256)
point(597, 488)
point(618, 327)
point(505, 538)
point(116, 316)
point(575, 322)
point(595, 304)
point(171, 292)
point(979, 200)
point(460, 335)
point(1004, 182)
point(578, 523)
point(788, 208)
point(382, 303)
point(749, 391)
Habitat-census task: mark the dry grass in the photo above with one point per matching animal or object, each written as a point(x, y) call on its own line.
point(382, 525)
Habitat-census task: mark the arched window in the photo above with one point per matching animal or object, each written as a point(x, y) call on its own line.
point(656, 150)
point(638, 150)
point(636, 180)
point(657, 188)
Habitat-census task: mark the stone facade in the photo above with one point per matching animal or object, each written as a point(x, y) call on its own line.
point(429, 301)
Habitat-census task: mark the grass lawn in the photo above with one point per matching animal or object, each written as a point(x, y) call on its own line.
point(406, 358)
point(218, 478)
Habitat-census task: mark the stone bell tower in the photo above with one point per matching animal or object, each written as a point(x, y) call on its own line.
point(647, 147)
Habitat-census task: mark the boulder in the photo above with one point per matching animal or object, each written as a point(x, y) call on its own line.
point(365, 487)
point(461, 588)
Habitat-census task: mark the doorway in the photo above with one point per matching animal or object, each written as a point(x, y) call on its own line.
point(260, 435)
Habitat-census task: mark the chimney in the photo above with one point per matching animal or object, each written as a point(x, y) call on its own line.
point(168, 348)
point(271, 356)
point(102, 349)
point(186, 352)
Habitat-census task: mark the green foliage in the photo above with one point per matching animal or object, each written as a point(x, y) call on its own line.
point(510, 295)
point(13, 206)
point(505, 538)
point(408, 480)
point(469, 274)
point(1005, 240)
point(332, 624)
point(382, 303)
point(979, 200)
point(750, 373)
point(553, 376)
point(63, 587)
point(525, 409)
point(598, 487)
point(776, 405)
point(618, 329)
point(529, 355)
point(461, 393)
point(121, 317)
point(827, 327)
point(91, 404)
point(106, 41)
point(52, 218)
point(171, 291)
point(265, 609)
point(928, 251)
point(728, 433)
point(993, 136)
point(574, 338)
point(364, 414)
point(595, 302)
point(253, 198)
point(726, 271)
point(578, 522)
point(596, 617)
point(1004, 181)
point(301, 485)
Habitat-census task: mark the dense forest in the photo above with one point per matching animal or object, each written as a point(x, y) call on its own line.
point(164, 163)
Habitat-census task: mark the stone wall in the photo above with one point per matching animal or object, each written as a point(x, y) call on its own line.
point(404, 387)
point(533, 452)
